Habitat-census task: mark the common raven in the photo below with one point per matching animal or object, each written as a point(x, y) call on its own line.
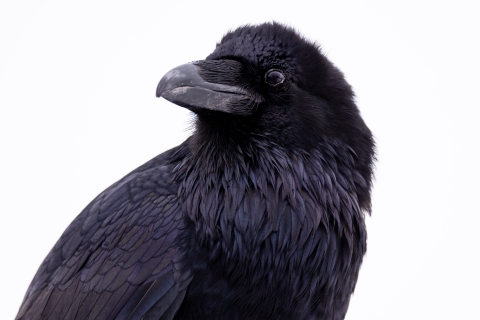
point(259, 214)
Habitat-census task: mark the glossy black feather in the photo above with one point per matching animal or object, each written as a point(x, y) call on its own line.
point(258, 215)
point(115, 260)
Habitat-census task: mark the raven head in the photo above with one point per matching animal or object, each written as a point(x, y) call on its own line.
point(275, 83)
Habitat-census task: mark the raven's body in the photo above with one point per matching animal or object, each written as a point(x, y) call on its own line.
point(258, 215)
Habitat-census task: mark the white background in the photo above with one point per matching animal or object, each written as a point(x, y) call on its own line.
point(78, 111)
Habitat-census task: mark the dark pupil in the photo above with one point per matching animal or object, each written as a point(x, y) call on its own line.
point(274, 77)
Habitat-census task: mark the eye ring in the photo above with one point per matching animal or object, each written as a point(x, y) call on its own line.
point(274, 77)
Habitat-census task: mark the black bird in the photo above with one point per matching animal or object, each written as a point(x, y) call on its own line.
point(258, 215)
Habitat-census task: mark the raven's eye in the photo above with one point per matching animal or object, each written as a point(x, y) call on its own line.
point(274, 77)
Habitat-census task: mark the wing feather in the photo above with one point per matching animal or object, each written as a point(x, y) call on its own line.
point(116, 258)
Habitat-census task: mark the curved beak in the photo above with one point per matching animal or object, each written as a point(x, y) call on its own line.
point(185, 87)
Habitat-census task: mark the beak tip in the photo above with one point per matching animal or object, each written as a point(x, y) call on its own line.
point(159, 91)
